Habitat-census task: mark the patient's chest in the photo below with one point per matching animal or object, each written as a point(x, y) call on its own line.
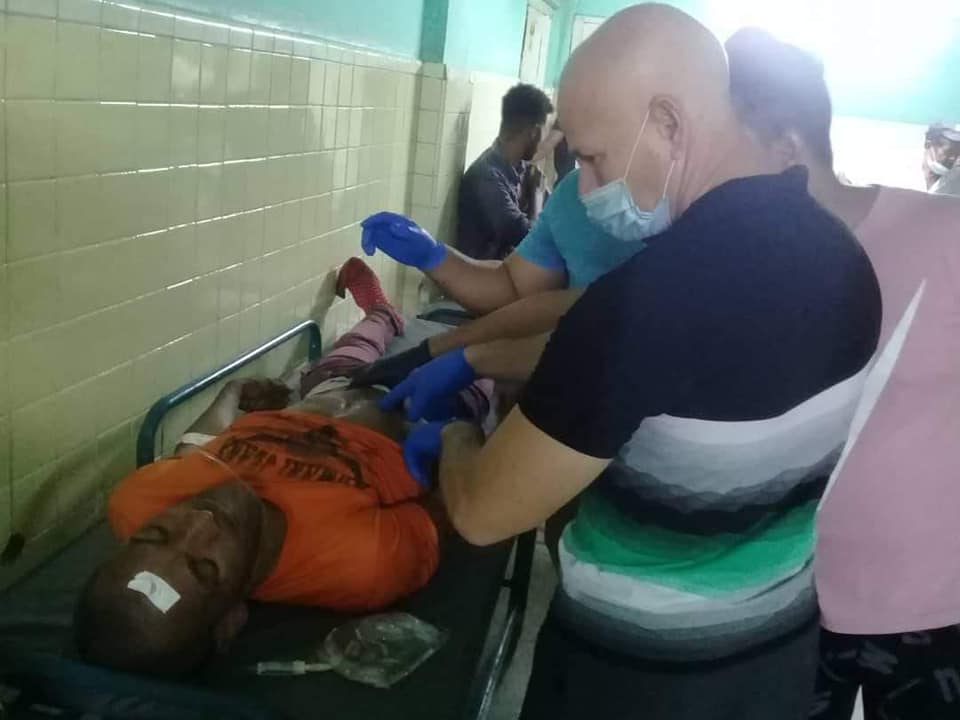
point(358, 405)
point(288, 449)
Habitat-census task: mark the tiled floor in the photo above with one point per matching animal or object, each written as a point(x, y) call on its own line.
point(509, 697)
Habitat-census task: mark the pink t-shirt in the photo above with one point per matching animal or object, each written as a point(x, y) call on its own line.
point(888, 554)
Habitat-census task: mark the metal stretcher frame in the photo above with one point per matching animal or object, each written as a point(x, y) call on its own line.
point(146, 438)
point(496, 655)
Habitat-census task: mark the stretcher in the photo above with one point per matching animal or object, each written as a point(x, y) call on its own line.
point(479, 595)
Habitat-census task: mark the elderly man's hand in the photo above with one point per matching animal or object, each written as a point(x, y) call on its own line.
point(431, 392)
point(259, 394)
point(402, 239)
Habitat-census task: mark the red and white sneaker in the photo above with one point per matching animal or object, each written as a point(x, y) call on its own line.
point(364, 286)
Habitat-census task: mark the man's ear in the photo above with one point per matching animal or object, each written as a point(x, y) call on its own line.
point(665, 116)
point(787, 150)
point(229, 626)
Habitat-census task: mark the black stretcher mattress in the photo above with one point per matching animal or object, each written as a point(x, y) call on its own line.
point(35, 623)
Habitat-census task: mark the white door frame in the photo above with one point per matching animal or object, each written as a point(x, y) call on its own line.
point(583, 26)
point(536, 75)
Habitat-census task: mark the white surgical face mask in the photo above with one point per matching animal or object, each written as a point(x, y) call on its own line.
point(934, 166)
point(612, 207)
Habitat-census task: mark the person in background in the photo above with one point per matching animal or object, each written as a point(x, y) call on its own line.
point(501, 192)
point(941, 150)
point(695, 398)
point(887, 569)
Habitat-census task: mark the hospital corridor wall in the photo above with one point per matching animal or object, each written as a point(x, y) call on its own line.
point(176, 182)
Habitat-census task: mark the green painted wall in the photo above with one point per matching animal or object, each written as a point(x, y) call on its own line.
point(390, 25)
point(485, 35)
point(930, 92)
point(433, 35)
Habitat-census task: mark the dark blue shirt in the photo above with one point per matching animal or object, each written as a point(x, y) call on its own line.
point(719, 369)
point(490, 220)
point(753, 301)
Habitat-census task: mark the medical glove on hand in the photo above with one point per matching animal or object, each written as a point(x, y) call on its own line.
point(421, 451)
point(394, 369)
point(431, 392)
point(402, 239)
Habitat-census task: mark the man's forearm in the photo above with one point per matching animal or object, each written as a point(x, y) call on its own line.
point(479, 285)
point(507, 359)
point(525, 317)
point(461, 443)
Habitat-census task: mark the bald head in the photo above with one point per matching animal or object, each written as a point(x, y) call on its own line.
point(649, 49)
point(653, 67)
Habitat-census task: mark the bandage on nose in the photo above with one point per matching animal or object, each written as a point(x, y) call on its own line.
point(157, 590)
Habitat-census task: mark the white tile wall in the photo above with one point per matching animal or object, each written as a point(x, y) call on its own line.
point(440, 150)
point(171, 192)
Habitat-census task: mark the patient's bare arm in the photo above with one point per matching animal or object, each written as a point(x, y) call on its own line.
point(236, 397)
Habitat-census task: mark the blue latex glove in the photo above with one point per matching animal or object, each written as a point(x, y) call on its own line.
point(402, 239)
point(431, 391)
point(421, 450)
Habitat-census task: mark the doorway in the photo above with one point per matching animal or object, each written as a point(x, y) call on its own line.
point(536, 43)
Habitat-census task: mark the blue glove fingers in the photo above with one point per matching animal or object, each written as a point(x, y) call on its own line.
point(381, 218)
point(367, 242)
point(420, 450)
point(408, 230)
point(420, 400)
point(395, 397)
point(415, 462)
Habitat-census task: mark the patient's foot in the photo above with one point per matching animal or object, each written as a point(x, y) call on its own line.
point(364, 286)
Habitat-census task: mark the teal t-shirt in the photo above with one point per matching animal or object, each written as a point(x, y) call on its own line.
point(565, 239)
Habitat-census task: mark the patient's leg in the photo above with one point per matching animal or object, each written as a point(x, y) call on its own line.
point(363, 344)
point(367, 341)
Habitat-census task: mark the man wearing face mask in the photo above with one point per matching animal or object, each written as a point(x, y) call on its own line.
point(696, 399)
point(499, 195)
point(941, 150)
point(611, 209)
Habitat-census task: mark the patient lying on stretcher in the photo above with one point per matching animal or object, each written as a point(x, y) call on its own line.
point(305, 504)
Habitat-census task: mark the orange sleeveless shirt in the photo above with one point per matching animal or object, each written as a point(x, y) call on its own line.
point(356, 539)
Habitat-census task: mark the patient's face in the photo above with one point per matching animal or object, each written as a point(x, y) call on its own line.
point(204, 548)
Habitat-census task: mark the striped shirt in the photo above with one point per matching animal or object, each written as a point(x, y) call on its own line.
point(730, 361)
